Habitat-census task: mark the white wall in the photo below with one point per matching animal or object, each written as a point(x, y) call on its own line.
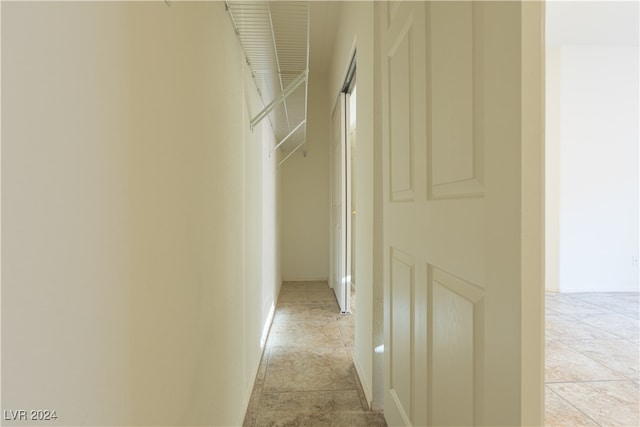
point(138, 268)
point(552, 167)
point(592, 168)
point(305, 195)
point(355, 29)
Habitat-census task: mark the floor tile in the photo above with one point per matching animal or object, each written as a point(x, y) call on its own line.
point(629, 298)
point(259, 381)
point(608, 403)
point(549, 311)
point(252, 411)
point(306, 312)
point(348, 333)
point(566, 364)
point(293, 295)
point(318, 285)
point(574, 306)
point(292, 285)
point(559, 413)
point(309, 369)
point(265, 356)
point(592, 337)
point(320, 401)
point(571, 327)
point(306, 334)
point(289, 419)
point(614, 303)
point(619, 355)
point(375, 419)
point(591, 297)
point(321, 294)
point(616, 324)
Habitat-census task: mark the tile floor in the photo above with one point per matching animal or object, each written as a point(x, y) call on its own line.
point(592, 359)
point(307, 376)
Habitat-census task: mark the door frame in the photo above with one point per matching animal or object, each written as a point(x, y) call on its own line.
point(343, 102)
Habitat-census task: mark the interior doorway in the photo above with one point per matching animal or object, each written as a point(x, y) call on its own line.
point(592, 147)
point(592, 211)
point(343, 208)
point(352, 145)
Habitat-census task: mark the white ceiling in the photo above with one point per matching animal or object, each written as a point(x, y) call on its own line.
point(592, 22)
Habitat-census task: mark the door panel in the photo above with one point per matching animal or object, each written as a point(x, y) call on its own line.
point(453, 235)
point(400, 153)
point(401, 324)
point(454, 101)
point(457, 342)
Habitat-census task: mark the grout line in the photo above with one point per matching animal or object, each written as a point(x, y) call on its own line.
point(616, 370)
point(574, 407)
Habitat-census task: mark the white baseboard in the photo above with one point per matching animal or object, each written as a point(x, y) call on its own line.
point(306, 279)
point(247, 399)
point(249, 391)
point(365, 386)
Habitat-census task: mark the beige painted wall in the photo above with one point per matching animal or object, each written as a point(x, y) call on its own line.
point(305, 195)
point(138, 269)
point(355, 29)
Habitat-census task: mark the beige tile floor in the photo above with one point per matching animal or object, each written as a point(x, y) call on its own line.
point(592, 359)
point(306, 376)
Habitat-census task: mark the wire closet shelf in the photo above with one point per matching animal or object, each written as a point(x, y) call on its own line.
point(274, 36)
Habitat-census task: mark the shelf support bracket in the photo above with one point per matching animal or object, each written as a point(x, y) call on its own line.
point(302, 77)
point(288, 136)
point(291, 153)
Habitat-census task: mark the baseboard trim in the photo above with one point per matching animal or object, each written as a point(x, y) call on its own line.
point(247, 400)
point(249, 392)
point(306, 279)
point(363, 384)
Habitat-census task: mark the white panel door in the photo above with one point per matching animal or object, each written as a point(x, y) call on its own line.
point(452, 109)
point(340, 203)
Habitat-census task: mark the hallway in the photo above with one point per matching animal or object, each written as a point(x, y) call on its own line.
point(307, 375)
point(151, 216)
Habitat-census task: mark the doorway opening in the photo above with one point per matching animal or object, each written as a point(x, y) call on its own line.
point(592, 185)
point(343, 204)
point(351, 140)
